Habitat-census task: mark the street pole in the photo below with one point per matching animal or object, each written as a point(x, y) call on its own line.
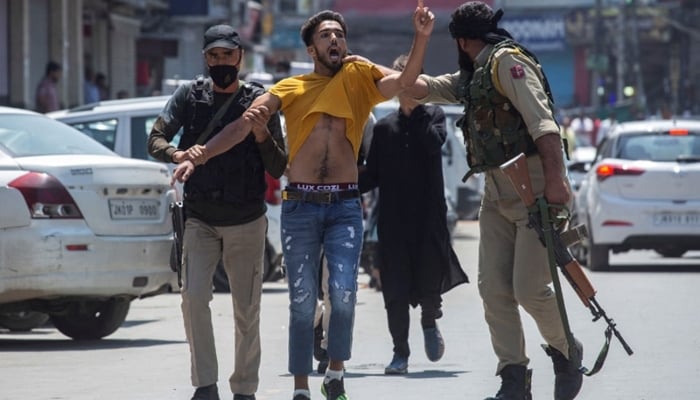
point(639, 77)
point(596, 64)
point(621, 48)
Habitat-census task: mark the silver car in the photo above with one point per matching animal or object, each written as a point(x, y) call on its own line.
point(641, 192)
point(83, 231)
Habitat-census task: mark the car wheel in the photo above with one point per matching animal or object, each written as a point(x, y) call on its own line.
point(92, 320)
point(670, 251)
point(23, 321)
point(598, 257)
point(580, 249)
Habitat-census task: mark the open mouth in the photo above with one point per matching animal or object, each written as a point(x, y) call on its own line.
point(334, 55)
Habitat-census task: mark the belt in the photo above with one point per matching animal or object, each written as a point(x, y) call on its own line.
point(320, 197)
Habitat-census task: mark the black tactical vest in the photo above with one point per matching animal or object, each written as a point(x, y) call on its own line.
point(494, 130)
point(236, 176)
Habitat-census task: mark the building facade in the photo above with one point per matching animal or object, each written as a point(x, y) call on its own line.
point(597, 53)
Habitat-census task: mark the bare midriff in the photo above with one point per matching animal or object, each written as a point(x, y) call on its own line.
point(326, 156)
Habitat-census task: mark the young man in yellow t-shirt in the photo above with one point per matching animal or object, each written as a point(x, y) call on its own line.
point(325, 112)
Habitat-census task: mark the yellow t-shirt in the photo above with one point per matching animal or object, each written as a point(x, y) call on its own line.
point(350, 94)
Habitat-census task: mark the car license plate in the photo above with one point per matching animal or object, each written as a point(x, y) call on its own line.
point(690, 219)
point(134, 209)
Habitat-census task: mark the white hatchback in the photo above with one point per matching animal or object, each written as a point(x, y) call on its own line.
point(83, 231)
point(124, 126)
point(642, 192)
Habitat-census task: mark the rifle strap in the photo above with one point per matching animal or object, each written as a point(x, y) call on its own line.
point(547, 230)
point(217, 117)
point(601, 356)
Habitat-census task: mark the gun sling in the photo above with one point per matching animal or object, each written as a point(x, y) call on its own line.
point(559, 256)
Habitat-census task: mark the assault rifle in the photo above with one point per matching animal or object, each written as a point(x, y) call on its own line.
point(540, 220)
point(178, 216)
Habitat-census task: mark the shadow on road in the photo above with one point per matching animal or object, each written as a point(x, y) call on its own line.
point(464, 236)
point(653, 268)
point(426, 374)
point(275, 289)
point(30, 341)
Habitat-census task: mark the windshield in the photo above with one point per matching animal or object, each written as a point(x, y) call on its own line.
point(659, 147)
point(37, 135)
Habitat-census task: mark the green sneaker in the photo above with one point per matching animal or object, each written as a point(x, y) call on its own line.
point(334, 390)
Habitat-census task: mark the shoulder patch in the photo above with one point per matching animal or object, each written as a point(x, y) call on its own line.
point(517, 71)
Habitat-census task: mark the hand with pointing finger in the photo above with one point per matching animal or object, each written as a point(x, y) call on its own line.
point(423, 20)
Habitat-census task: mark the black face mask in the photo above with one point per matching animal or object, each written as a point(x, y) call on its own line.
point(223, 75)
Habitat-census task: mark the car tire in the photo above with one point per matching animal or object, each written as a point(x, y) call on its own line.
point(671, 251)
point(270, 270)
point(23, 321)
point(580, 249)
point(598, 257)
point(94, 320)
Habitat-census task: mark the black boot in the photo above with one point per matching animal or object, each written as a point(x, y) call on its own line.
point(515, 383)
point(568, 377)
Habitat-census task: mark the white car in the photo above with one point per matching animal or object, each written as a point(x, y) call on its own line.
point(83, 231)
point(642, 192)
point(124, 126)
point(579, 162)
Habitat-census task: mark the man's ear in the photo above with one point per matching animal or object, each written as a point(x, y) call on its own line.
point(462, 42)
point(311, 51)
point(240, 59)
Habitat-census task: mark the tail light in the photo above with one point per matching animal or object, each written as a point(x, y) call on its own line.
point(46, 197)
point(605, 171)
point(273, 194)
point(678, 132)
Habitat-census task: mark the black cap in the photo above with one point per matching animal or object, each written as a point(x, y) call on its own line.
point(221, 36)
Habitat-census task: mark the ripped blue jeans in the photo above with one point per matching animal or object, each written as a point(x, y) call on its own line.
point(306, 229)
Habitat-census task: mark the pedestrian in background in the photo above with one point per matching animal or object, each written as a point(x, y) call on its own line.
point(508, 111)
point(568, 134)
point(224, 210)
point(47, 90)
point(325, 112)
point(101, 82)
point(91, 93)
point(415, 251)
point(583, 126)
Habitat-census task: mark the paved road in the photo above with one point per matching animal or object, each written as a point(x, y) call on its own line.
point(147, 358)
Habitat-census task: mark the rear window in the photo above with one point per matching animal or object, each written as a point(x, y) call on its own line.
point(104, 131)
point(140, 130)
point(37, 135)
point(659, 146)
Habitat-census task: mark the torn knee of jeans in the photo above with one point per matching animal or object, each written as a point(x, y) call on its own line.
point(301, 295)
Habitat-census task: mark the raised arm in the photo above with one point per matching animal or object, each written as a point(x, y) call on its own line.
point(423, 22)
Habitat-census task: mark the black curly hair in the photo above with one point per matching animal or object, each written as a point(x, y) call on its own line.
point(476, 20)
point(309, 27)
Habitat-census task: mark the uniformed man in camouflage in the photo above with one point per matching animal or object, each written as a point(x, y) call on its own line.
point(508, 110)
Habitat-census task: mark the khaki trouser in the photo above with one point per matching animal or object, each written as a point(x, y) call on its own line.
point(241, 248)
point(514, 271)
